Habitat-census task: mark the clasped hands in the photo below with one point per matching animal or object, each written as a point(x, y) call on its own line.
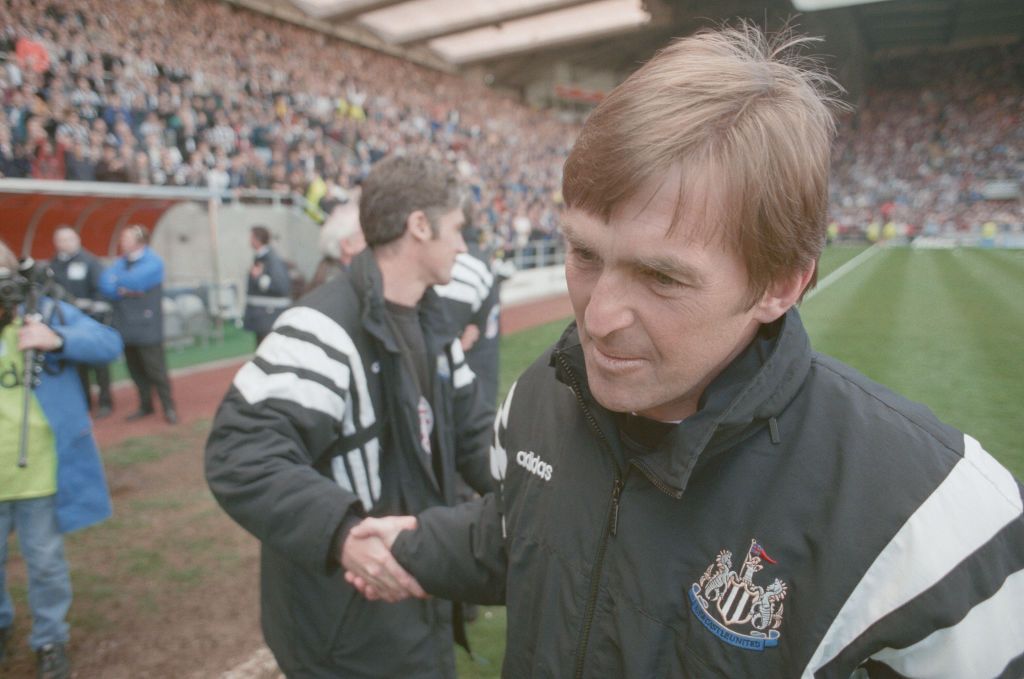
point(368, 562)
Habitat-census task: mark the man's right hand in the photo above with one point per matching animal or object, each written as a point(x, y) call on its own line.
point(369, 565)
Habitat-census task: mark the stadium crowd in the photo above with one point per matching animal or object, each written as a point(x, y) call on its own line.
point(198, 93)
point(927, 140)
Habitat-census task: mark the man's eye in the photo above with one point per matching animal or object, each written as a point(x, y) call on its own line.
point(664, 280)
point(585, 256)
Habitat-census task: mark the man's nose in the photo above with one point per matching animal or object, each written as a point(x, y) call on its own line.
point(609, 308)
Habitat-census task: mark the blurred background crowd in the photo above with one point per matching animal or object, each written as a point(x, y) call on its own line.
point(198, 93)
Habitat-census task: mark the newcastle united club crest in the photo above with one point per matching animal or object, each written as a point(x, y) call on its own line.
point(735, 609)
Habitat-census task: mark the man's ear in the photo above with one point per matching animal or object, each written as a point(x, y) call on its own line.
point(418, 226)
point(783, 294)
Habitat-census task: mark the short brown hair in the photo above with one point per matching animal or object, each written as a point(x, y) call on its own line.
point(261, 233)
point(750, 125)
point(400, 185)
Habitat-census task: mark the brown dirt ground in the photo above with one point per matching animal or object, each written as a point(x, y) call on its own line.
point(169, 586)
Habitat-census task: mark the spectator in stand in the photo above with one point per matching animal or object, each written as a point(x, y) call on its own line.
point(111, 167)
point(80, 163)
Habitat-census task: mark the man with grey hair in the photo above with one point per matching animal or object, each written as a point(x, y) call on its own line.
point(358, 403)
point(341, 239)
point(78, 271)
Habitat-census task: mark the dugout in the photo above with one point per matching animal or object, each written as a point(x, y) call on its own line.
point(202, 237)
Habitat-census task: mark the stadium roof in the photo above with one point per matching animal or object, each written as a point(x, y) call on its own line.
point(513, 38)
point(465, 31)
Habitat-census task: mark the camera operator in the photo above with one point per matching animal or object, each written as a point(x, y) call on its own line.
point(59, 485)
point(78, 271)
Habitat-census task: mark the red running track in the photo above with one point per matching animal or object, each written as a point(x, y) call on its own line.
point(199, 390)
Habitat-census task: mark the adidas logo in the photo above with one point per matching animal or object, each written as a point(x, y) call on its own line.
point(531, 462)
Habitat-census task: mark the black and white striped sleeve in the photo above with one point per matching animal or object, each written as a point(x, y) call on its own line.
point(473, 420)
point(470, 285)
point(944, 597)
point(285, 409)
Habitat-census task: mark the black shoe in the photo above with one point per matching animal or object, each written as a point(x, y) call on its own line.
point(52, 662)
point(171, 416)
point(139, 414)
point(4, 631)
point(103, 411)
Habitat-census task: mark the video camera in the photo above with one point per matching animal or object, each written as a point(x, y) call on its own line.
point(26, 285)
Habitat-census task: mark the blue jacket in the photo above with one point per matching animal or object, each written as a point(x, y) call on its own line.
point(82, 496)
point(136, 289)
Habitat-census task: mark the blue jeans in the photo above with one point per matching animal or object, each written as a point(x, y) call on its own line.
point(49, 583)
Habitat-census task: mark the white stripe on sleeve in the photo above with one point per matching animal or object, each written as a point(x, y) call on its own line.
point(463, 376)
point(477, 267)
point(373, 457)
point(458, 355)
point(289, 352)
point(499, 458)
point(980, 645)
point(461, 292)
point(333, 335)
point(256, 386)
point(341, 474)
point(937, 536)
point(355, 463)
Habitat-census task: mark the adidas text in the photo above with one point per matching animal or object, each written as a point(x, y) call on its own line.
point(531, 462)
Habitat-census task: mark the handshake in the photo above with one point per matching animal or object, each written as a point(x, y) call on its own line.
point(368, 562)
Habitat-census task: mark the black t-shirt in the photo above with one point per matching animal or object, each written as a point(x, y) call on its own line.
point(406, 322)
point(409, 333)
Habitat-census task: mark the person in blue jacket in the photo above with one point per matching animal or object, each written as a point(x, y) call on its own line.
point(134, 282)
point(61, 488)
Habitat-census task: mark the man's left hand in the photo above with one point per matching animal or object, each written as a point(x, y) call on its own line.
point(35, 334)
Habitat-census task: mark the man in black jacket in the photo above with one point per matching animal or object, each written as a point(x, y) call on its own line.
point(78, 271)
point(473, 303)
point(269, 289)
point(358, 403)
point(685, 488)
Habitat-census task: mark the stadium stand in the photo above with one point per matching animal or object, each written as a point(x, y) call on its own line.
point(934, 142)
point(199, 93)
point(102, 91)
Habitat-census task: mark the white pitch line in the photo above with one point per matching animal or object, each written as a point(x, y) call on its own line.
point(260, 665)
point(843, 270)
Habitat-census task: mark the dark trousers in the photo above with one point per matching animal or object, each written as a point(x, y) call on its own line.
point(102, 379)
point(148, 368)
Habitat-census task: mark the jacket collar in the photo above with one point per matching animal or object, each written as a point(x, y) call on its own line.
point(369, 286)
point(753, 390)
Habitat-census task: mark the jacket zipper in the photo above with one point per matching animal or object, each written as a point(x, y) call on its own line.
point(655, 481)
point(611, 527)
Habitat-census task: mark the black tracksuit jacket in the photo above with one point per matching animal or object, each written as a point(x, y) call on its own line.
point(805, 522)
point(322, 425)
